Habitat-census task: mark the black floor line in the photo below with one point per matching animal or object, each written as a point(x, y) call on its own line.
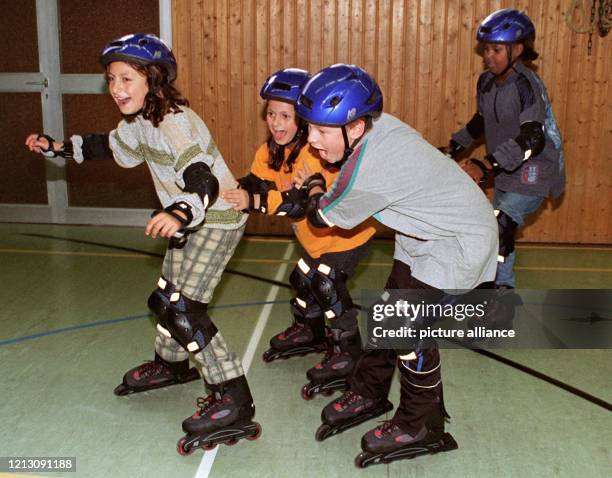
point(152, 254)
point(534, 373)
point(511, 363)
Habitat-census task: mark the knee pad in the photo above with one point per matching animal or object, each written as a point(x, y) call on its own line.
point(506, 227)
point(329, 288)
point(301, 279)
point(159, 300)
point(188, 323)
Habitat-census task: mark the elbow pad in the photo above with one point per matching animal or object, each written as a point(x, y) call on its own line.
point(96, 146)
point(200, 180)
point(531, 139)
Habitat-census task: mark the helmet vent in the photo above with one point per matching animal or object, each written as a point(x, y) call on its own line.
point(142, 42)
point(373, 98)
point(281, 86)
point(335, 101)
point(307, 102)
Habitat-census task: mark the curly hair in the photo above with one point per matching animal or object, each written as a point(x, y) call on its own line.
point(162, 98)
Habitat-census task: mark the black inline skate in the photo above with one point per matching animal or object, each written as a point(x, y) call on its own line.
point(296, 340)
point(225, 416)
point(388, 442)
point(331, 373)
point(154, 374)
point(348, 411)
point(306, 335)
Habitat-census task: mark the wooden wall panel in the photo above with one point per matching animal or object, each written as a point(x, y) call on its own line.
point(422, 53)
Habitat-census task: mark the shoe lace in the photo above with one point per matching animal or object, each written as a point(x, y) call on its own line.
point(387, 427)
point(329, 354)
point(151, 368)
point(205, 403)
point(348, 399)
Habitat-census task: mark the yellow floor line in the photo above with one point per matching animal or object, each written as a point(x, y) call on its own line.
point(74, 253)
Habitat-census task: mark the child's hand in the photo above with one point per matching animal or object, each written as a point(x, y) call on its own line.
point(238, 198)
point(37, 143)
point(301, 176)
point(163, 225)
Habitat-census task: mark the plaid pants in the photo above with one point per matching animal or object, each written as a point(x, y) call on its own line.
point(196, 270)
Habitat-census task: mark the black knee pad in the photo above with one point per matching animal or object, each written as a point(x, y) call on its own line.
point(329, 289)
point(159, 300)
point(300, 279)
point(506, 227)
point(189, 324)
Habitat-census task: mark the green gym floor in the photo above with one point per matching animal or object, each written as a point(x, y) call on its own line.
point(74, 319)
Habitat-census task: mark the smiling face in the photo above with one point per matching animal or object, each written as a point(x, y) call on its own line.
point(127, 86)
point(282, 121)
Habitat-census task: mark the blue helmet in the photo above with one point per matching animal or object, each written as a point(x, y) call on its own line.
point(284, 85)
point(506, 26)
point(142, 48)
point(338, 95)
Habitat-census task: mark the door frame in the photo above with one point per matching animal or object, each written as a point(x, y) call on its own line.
point(52, 84)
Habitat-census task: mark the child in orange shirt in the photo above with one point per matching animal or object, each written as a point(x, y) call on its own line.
point(329, 257)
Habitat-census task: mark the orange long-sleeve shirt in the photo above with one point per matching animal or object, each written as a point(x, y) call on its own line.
point(315, 241)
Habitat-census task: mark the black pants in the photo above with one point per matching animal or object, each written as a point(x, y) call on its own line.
point(420, 379)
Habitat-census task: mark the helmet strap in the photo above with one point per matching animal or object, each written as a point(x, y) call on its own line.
point(348, 148)
point(511, 62)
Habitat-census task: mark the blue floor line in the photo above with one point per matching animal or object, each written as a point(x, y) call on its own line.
point(123, 319)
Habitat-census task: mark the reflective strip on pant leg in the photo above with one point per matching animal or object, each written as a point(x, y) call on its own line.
point(169, 349)
point(413, 363)
point(218, 363)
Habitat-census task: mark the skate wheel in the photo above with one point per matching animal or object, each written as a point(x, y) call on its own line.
point(327, 393)
point(209, 446)
point(267, 356)
point(307, 393)
point(231, 441)
point(181, 449)
point(121, 390)
point(257, 433)
point(322, 432)
point(360, 461)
